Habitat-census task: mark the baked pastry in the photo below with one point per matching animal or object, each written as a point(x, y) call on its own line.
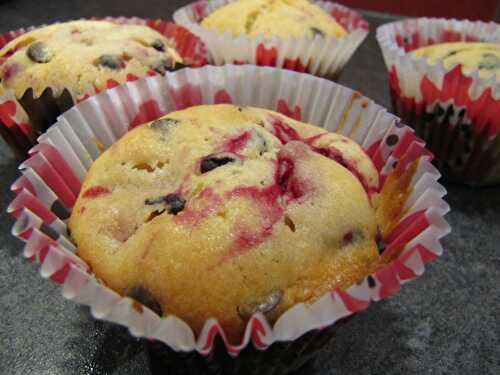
point(283, 18)
point(81, 56)
point(222, 211)
point(472, 56)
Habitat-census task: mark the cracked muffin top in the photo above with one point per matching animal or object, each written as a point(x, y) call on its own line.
point(283, 18)
point(82, 55)
point(473, 56)
point(223, 211)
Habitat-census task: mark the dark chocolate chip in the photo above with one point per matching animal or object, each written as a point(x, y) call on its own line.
point(175, 203)
point(49, 231)
point(39, 52)
point(264, 306)
point(289, 223)
point(315, 31)
point(163, 65)
point(381, 245)
point(490, 61)
point(163, 123)
point(109, 61)
point(214, 161)
point(144, 296)
point(371, 281)
point(158, 45)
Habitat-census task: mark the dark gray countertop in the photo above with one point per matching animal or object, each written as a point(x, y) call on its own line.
point(447, 322)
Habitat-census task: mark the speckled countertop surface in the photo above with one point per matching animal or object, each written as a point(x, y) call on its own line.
point(447, 322)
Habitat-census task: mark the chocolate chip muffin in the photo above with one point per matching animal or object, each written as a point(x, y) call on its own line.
point(222, 211)
point(472, 56)
point(82, 56)
point(283, 18)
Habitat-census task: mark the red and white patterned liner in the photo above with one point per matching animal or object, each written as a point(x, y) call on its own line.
point(417, 86)
point(16, 121)
point(51, 180)
point(319, 56)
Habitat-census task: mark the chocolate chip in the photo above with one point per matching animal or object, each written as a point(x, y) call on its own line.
point(264, 306)
point(381, 245)
point(489, 61)
point(315, 31)
point(163, 65)
point(39, 52)
point(163, 123)
point(214, 161)
point(144, 296)
point(114, 62)
point(289, 223)
point(371, 281)
point(158, 45)
point(175, 203)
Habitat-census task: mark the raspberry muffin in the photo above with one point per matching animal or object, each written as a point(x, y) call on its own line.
point(283, 18)
point(44, 72)
point(223, 211)
point(82, 55)
point(472, 56)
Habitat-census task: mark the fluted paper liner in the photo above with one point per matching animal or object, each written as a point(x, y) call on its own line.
point(321, 56)
point(23, 119)
point(51, 179)
point(457, 114)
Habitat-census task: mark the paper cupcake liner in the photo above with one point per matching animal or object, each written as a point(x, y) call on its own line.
point(457, 114)
point(23, 119)
point(318, 56)
point(51, 180)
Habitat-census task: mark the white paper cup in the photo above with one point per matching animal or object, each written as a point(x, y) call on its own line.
point(320, 56)
point(51, 178)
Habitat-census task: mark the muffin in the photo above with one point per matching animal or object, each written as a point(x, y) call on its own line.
point(283, 18)
point(223, 211)
point(45, 71)
point(80, 55)
point(444, 78)
point(313, 37)
point(483, 58)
